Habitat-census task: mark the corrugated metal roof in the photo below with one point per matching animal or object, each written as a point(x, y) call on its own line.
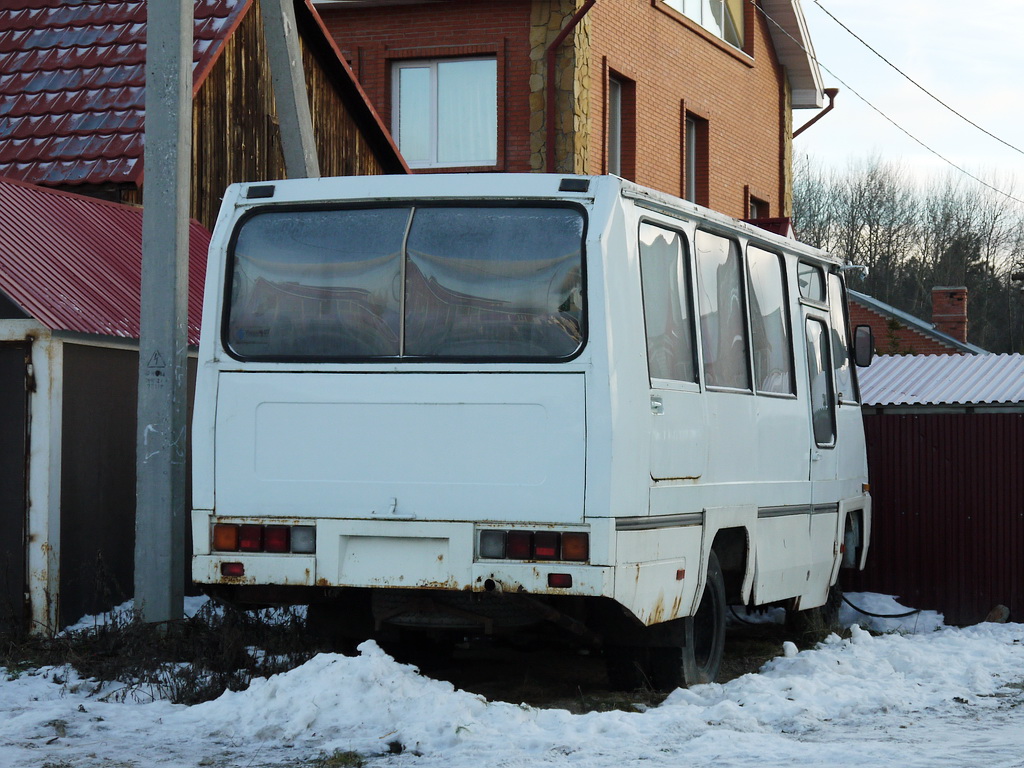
point(75, 263)
point(943, 380)
point(72, 85)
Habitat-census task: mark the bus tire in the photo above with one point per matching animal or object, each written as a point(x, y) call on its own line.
point(699, 659)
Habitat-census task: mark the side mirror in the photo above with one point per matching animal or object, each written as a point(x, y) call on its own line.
point(863, 345)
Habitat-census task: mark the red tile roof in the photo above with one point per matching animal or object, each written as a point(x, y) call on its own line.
point(72, 85)
point(75, 263)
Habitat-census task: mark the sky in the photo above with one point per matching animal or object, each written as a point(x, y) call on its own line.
point(969, 55)
point(922, 696)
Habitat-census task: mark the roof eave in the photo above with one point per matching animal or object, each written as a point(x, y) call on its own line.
point(793, 46)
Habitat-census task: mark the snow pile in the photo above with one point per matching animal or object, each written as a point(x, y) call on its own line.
point(943, 696)
point(370, 701)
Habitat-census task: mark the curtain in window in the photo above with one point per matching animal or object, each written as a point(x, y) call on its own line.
point(769, 322)
point(723, 324)
point(467, 116)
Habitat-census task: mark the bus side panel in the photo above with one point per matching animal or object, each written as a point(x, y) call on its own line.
point(783, 565)
point(658, 571)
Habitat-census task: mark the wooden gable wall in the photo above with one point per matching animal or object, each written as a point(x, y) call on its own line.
point(234, 123)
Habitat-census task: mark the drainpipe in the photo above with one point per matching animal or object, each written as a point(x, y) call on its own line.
point(550, 58)
point(831, 93)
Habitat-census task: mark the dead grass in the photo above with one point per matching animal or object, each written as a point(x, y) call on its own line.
point(187, 661)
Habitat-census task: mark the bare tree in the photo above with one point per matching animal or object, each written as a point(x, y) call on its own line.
point(913, 235)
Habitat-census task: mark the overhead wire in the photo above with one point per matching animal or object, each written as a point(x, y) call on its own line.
point(916, 84)
point(882, 114)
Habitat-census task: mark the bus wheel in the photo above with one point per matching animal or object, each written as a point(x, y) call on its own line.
point(700, 658)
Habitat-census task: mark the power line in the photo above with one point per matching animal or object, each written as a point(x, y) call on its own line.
point(916, 84)
point(888, 119)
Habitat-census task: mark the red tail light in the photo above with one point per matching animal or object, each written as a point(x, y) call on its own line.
point(545, 545)
point(559, 580)
point(519, 545)
point(276, 538)
point(250, 538)
point(232, 569)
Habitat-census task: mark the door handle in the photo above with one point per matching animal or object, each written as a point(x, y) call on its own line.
point(657, 406)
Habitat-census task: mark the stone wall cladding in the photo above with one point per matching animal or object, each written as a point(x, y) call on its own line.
point(572, 86)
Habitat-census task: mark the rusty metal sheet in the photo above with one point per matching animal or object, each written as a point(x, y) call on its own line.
point(74, 263)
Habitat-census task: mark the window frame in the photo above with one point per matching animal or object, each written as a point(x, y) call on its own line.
point(742, 43)
point(225, 317)
point(431, 63)
point(839, 310)
point(787, 321)
point(744, 304)
point(696, 159)
point(620, 124)
point(685, 265)
point(820, 270)
point(826, 375)
point(614, 152)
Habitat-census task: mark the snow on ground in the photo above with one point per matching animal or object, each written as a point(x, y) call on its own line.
point(926, 695)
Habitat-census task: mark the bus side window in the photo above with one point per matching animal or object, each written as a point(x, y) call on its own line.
point(841, 341)
point(667, 299)
point(823, 414)
point(769, 323)
point(812, 282)
point(723, 324)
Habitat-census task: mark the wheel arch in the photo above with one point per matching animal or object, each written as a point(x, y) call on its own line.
point(733, 549)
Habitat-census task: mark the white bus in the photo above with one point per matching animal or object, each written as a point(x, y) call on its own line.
point(479, 402)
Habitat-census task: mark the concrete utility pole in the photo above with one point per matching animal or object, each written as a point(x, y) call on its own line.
point(163, 346)
point(289, 79)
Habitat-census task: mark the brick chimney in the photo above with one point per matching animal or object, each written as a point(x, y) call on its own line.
point(949, 310)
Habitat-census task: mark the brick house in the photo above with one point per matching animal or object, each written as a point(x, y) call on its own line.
point(899, 333)
point(692, 98)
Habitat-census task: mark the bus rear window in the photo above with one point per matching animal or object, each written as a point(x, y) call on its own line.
point(427, 283)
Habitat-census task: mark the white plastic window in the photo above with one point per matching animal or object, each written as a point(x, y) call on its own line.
point(671, 352)
point(723, 324)
point(723, 18)
point(614, 126)
point(446, 112)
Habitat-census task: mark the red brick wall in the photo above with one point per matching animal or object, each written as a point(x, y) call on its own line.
point(677, 68)
point(949, 310)
point(897, 339)
point(372, 39)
